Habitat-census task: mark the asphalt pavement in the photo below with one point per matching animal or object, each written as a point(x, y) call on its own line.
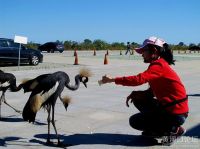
point(97, 117)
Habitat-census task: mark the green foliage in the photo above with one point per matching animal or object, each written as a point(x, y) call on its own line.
point(32, 45)
point(179, 47)
point(99, 44)
point(118, 46)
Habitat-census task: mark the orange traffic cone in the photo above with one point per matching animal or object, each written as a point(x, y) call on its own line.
point(105, 60)
point(94, 52)
point(75, 53)
point(76, 59)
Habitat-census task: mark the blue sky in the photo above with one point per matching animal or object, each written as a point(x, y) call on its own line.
point(109, 20)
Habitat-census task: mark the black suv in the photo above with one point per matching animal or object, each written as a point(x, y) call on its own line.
point(9, 52)
point(51, 47)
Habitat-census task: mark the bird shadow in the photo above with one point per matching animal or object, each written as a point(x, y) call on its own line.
point(7, 139)
point(193, 132)
point(16, 119)
point(11, 119)
point(39, 123)
point(196, 95)
point(100, 138)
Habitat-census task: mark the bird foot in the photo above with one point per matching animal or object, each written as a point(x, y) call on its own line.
point(18, 111)
point(61, 144)
point(49, 142)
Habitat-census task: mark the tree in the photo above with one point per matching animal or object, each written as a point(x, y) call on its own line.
point(75, 45)
point(100, 44)
point(32, 45)
point(87, 41)
point(117, 46)
point(191, 45)
point(135, 45)
point(87, 44)
point(181, 44)
point(67, 45)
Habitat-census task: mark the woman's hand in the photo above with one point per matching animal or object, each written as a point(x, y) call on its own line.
point(129, 98)
point(137, 95)
point(107, 79)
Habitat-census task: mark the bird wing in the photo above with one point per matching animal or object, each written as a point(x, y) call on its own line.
point(40, 94)
point(29, 85)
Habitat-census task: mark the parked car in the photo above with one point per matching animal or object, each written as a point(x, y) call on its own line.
point(51, 47)
point(194, 48)
point(9, 53)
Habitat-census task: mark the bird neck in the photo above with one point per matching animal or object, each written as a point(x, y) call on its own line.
point(77, 83)
point(14, 87)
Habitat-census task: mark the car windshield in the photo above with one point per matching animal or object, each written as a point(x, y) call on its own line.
point(3, 43)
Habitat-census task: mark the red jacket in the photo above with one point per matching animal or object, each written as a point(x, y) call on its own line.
point(164, 82)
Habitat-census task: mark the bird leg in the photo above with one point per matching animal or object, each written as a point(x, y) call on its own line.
point(54, 126)
point(2, 96)
point(4, 100)
point(18, 111)
point(49, 121)
point(1, 103)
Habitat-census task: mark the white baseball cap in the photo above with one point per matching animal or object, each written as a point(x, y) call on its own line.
point(151, 40)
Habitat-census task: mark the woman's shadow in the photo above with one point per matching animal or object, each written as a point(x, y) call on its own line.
point(193, 132)
point(99, 138)
point(110, 138)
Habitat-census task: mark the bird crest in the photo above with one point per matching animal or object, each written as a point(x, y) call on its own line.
point(66, 99)
point(85, 72)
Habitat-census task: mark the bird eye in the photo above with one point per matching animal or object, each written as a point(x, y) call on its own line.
point(83, 79)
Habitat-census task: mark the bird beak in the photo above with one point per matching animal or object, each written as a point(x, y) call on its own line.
point(84, 83)
point(66, 105)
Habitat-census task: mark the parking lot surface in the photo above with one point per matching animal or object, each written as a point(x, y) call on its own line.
point(97, 117)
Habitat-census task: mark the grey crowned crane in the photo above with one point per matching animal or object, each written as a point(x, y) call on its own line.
point(7, 81)
point(45, 92)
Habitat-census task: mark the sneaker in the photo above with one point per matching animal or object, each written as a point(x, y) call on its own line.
point(178, 132)
point(168, 140)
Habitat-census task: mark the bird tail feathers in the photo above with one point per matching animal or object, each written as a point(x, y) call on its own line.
point(32, 106)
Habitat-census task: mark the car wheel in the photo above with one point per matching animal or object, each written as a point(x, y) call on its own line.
point(61, 51)
point(34, 60)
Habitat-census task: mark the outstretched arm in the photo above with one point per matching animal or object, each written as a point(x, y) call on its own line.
point(107, 79)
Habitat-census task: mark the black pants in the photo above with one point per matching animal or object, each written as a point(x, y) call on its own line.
point(153, 118)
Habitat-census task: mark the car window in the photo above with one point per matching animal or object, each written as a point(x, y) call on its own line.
point(13, 44)
point(3, 43)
